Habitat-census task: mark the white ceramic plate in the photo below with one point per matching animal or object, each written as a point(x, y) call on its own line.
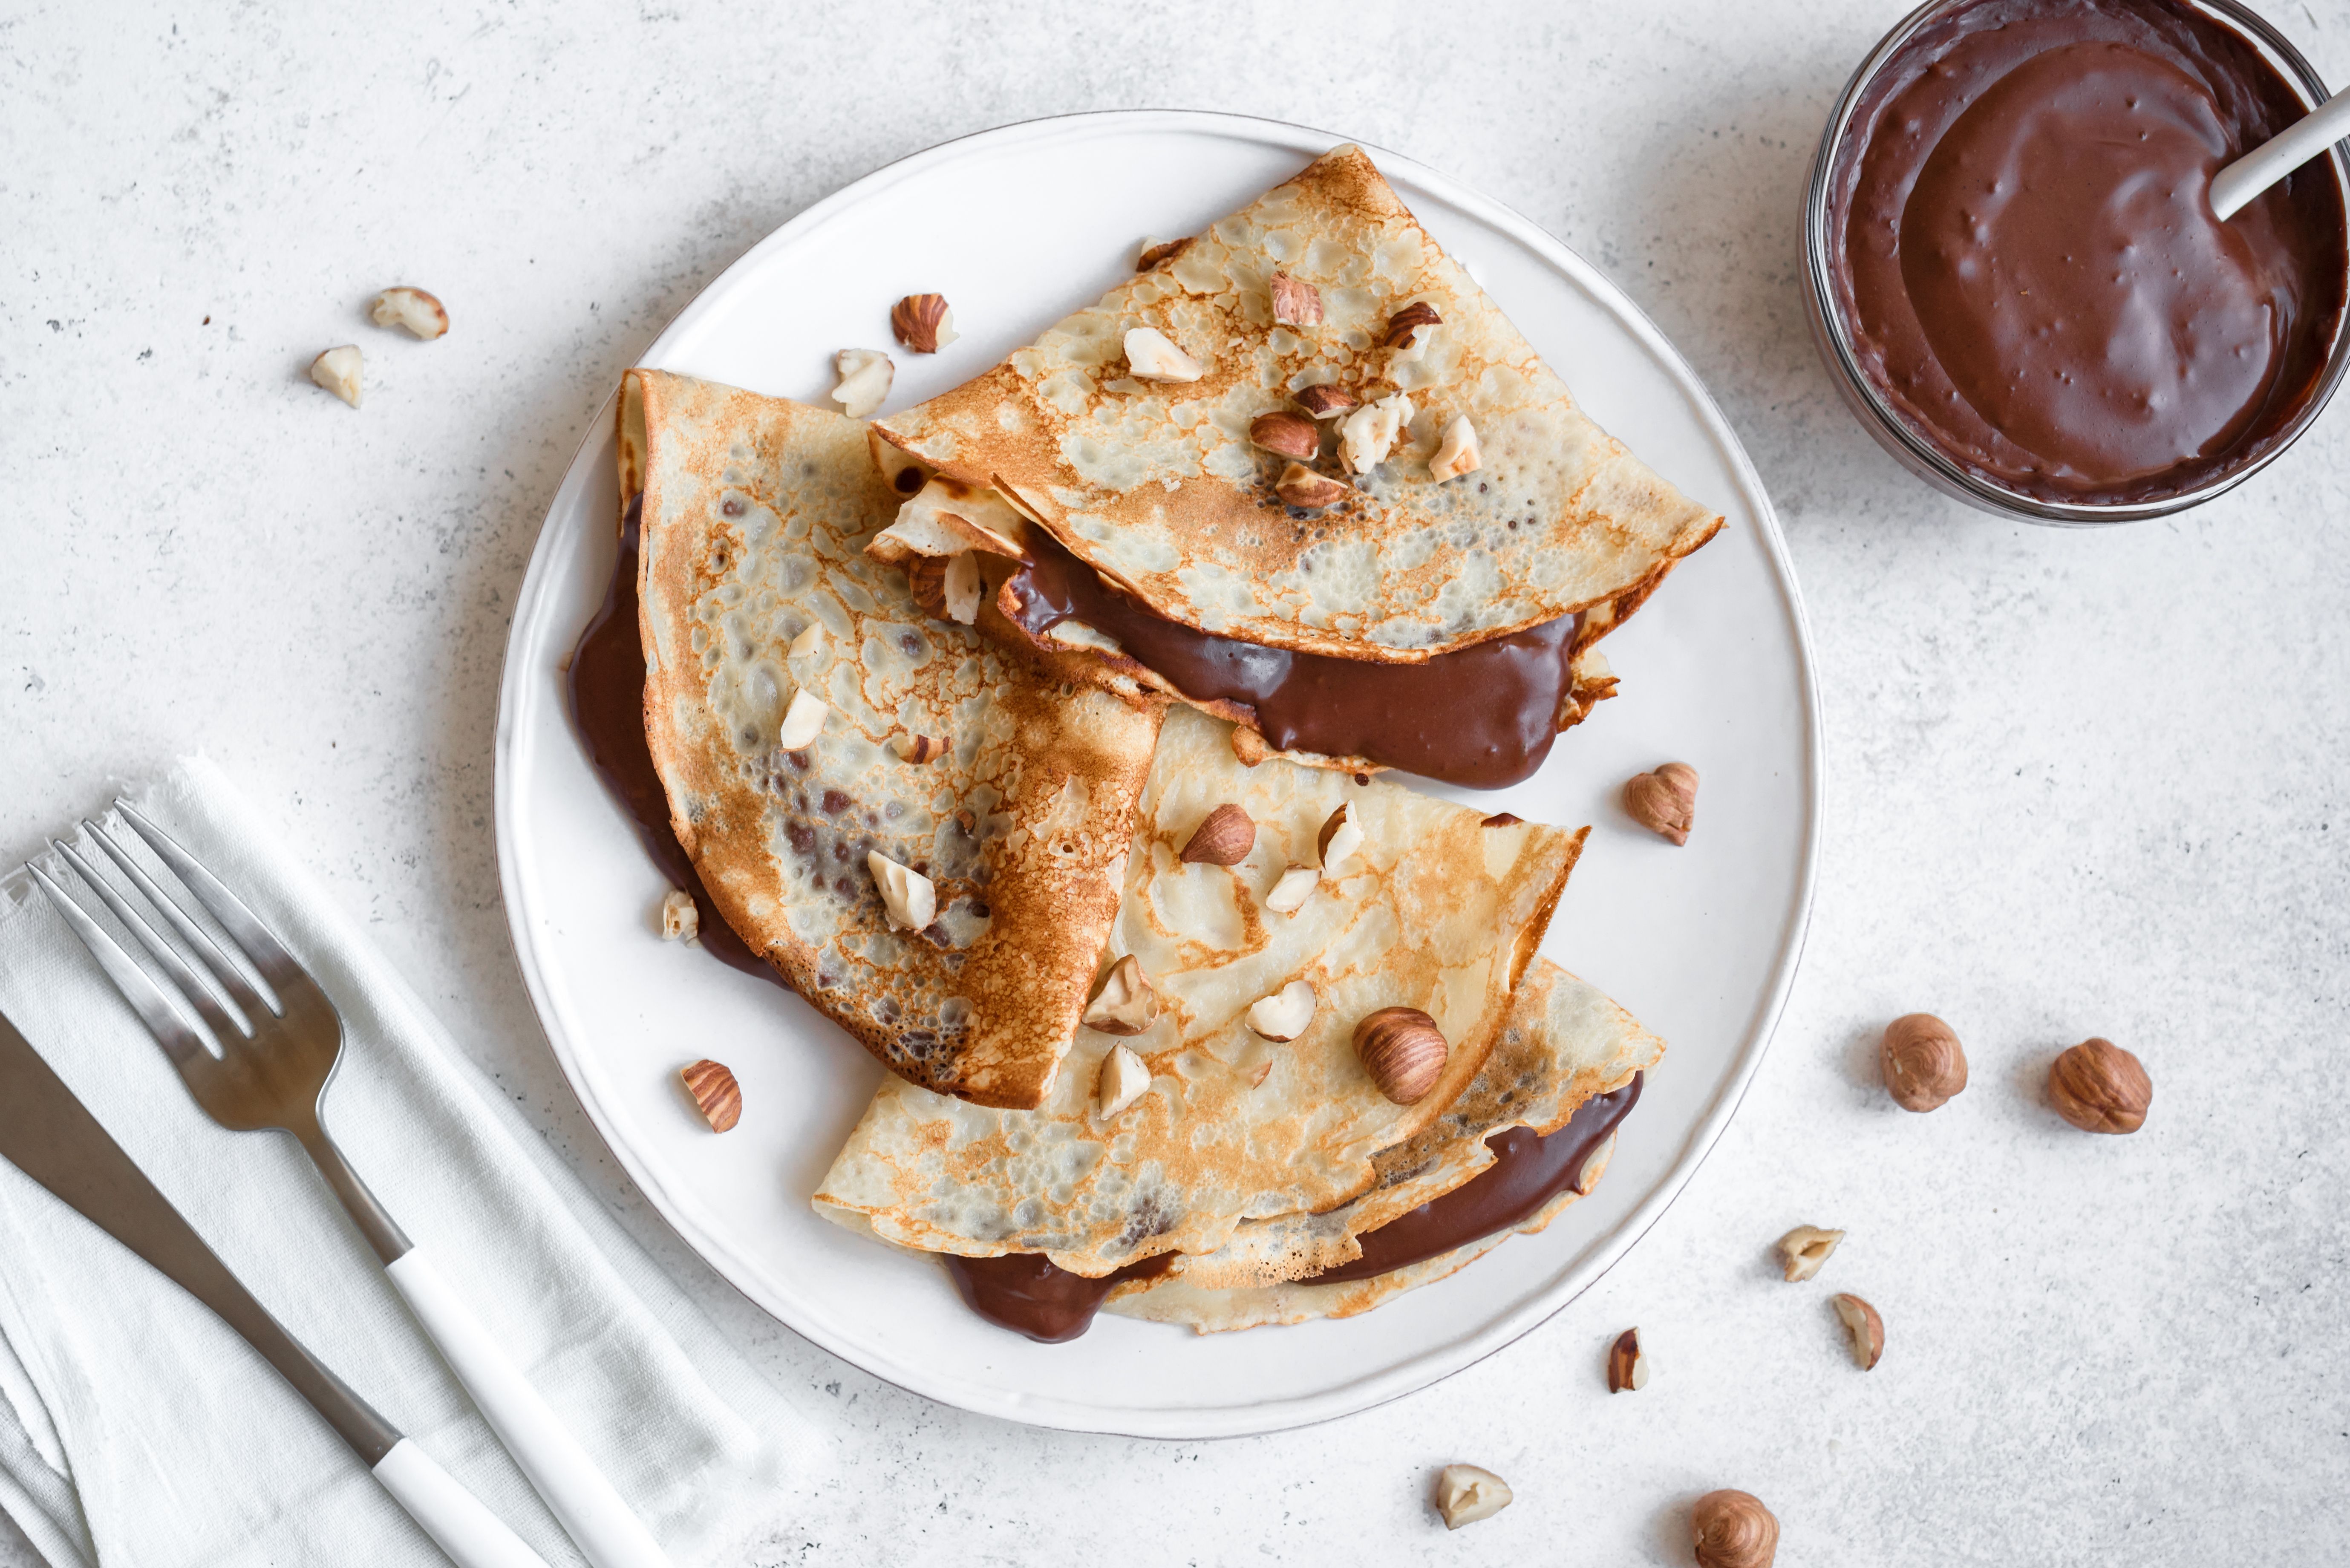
point(1699, 942)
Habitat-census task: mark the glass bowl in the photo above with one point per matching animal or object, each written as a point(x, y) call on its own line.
point(1823, 201)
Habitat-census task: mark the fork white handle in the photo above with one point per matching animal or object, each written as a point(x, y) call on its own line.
point(467, 1534)
point(606, 1532)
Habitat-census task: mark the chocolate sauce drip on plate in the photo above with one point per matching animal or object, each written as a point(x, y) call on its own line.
point(2033, 271)
point(607, 685)
point(1028, 1294)
point(1483, 716)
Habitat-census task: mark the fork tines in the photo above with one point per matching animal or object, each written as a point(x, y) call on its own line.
point(204, 986)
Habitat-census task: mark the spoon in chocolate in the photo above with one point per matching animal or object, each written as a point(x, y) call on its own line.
point(2234, 188)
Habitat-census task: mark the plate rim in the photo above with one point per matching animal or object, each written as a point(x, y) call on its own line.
point(1441, 1361)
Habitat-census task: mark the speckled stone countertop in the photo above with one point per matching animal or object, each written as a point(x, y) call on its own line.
point(2079, 782)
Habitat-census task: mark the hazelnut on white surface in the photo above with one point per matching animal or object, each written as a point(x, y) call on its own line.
point(1628, 1363)
point(1467, 1493)
point(2101, 1088)
point(1867, 1329)
point(1805, 1249)
point(680, 921)
point(1922, 1061)
point(339, 370)
point(715, 1093)
point(1731, 1529)
point(1665, 801)
point(864, 378)
point(413, 308)
point(924, 322)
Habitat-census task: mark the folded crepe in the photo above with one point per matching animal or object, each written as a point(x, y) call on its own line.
point(1440, 908)
point(1160, 504)
point(1564, 1054)
point(756, 596)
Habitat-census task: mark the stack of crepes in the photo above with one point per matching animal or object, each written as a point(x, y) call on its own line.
point(927, 701)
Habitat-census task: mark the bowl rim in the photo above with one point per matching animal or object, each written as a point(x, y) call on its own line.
point(1833, 333)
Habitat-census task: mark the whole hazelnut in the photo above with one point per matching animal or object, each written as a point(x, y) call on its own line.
point(1223, 837)
point(1403, 1050)
point(1665, 801)
point(1733, 1529)
point(1923, 1064)
point(2101, 1088)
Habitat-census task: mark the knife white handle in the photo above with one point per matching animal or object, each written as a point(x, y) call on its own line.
point(590, 1511)
point(468, 1533)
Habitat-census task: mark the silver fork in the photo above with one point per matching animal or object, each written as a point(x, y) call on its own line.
point(273, 1072)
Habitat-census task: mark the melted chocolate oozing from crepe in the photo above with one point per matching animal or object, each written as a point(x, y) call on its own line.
point(608, 702)
point(1483, 716)
point(1028, 1294)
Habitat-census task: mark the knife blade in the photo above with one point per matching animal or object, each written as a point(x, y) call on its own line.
point(49, 1135)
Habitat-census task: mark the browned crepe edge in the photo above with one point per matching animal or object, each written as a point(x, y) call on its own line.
point(1063, 927)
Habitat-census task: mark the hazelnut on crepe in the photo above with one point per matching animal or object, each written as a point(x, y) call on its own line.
point(1531, 1133)
point(1302, 473)
point(1241, 1118)
point(920, 835)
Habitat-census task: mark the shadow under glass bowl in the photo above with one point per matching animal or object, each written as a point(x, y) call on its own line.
point(1833, 334)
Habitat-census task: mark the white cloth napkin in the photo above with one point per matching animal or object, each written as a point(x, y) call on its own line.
point(136, 1430)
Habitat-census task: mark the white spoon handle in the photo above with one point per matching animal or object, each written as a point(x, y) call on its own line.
point(2280, 155)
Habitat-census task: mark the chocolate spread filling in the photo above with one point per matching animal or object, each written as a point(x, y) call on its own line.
point(2030, 266)
point(1030, 1294)
point(1483, 716)
point(1027, 1292)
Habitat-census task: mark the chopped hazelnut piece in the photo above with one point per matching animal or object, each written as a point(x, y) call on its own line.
point(337, 371)
point(680, 921)
point(911, 903)
point(409, 307)
point(802, 721)
point(1152, 355)
point(1123, 1079)
point(864, 378)
point(1456, 451)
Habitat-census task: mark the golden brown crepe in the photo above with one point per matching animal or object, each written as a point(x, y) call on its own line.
point(754, 587)
point(1564, 1044)
point(1436, 910)
point(1156, 485)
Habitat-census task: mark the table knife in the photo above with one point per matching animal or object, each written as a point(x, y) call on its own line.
point(49, 1135)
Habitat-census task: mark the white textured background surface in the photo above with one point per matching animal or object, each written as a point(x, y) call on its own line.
point(2079, 782)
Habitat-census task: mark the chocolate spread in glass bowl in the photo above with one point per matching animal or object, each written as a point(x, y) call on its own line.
point(2028, 264)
